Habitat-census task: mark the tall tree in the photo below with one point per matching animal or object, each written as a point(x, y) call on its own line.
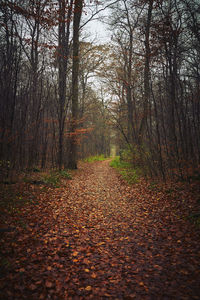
point(78, 7)
point(143, 125)
point(63, 57)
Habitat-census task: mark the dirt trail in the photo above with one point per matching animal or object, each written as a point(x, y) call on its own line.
point(101, 239)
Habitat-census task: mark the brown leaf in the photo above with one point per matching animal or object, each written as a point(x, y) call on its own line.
point(75, 253)
point(33, 287)
point(48, 284)
point(21, 270)
point(93, 275)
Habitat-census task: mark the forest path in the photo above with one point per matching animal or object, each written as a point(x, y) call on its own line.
point(99, 238)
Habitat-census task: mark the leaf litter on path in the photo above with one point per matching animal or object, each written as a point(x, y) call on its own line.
point(99, 238)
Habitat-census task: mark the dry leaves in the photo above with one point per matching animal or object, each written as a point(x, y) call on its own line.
point(97, 237)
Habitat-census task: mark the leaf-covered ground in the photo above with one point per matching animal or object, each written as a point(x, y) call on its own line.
point(98, 238)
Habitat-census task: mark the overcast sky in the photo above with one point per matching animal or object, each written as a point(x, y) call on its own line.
point(98, 30)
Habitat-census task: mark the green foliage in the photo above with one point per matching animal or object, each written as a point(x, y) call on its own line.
point(95, 158)
point(52, 179)
point(139, 156)
point(117, 162)
point(65, 174)
point(55, 177)
point(126, 169)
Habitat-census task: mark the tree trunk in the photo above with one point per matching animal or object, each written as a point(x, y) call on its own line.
point(63, 53)
point(72, 164)
point(143, 125)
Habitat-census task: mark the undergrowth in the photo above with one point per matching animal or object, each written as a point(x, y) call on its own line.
point(54, 177)
point(15, 196)
point(126, 169)
point(95, 158)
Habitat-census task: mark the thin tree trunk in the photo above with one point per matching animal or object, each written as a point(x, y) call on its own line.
point(143, 125)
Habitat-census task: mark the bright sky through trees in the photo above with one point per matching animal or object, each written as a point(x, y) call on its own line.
point(98, 32)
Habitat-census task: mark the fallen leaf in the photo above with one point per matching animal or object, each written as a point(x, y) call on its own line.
point(21, 270)
point(48, 284)
point(87, 270)
point(86, 261)
point(101, 243)
point(33, 287)
point(75, 253)
point(93, 275)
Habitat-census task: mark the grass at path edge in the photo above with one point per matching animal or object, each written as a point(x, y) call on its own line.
point(95, 158)
point(126, 170)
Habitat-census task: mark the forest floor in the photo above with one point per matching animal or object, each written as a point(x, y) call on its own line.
point(96, 237)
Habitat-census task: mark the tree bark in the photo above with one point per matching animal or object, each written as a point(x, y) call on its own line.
point(72, 163)
point(63, 53)
point(143, 125)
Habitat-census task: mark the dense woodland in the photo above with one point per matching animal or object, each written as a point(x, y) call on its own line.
point(120, 228)
point(146, 101)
